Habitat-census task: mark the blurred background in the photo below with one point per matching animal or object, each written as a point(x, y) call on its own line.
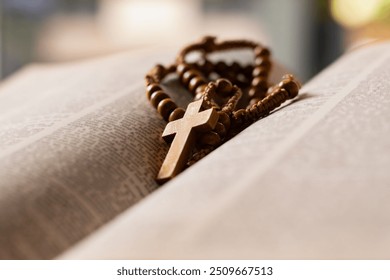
point(305, 35)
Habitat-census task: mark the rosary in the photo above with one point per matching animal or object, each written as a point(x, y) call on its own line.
point(221, 108)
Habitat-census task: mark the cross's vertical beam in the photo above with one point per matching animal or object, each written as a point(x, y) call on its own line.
point(185, 131)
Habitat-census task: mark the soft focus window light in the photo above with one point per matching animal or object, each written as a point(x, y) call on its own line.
point(355, 13)
point(147, 21)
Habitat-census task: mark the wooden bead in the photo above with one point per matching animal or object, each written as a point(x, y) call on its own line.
point(235, 67)
point(260, 72)
point(260, 107)
point(248, 70)
point(158, 96)
point(263, 62)
point(290, 85)
point(269, 103)
point(208, 43)
point(198, 96)
point(207, 67)
point(224, 119)
point(272, 89)
point(252, 93)
point(253, 110)
point(221, 66)
point(210, 138)
point(165, 108)
point(178, 113)
point(260, 51)
point(158, 70)
point(181, 68)
point(228, 107)
point(200, 90)
point(292, 88)
point(150, 89)
point(220, 129)
point(253, 101)
point(256, 82)
point(194, 83)
point(224, 87)
point(260, 83)
point(188, 75)
point(239, 117)
point(288, 77)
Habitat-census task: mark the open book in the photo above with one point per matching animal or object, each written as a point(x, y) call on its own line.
point(80, 147)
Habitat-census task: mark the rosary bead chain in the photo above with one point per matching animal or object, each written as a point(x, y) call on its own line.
point(288, 88)
point(208, 45)
point(191, 78)
point(191, 75)
point(234, 72)
point(165, 106)
point(168, 109)
point(224, 89)
point(224, 93)
point(258, 76)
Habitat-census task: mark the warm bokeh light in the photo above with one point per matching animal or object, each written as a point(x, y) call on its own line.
point(356, 13)
point(126, 20)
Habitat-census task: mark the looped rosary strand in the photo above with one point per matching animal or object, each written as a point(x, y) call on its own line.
point(238, 97)
point(259, 71)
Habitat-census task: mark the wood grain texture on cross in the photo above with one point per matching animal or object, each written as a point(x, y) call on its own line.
point(185, 132)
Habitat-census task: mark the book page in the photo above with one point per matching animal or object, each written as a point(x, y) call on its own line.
point(78, 144)
point(310, 181)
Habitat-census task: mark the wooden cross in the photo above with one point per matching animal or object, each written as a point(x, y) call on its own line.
point(185, 132)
